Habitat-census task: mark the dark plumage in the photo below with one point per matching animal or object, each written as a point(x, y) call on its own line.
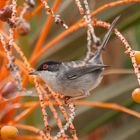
point(49, 65)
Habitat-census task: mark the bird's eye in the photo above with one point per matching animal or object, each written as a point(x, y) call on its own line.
point(45, 66)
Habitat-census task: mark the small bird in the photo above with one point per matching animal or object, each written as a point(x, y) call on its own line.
point(76, 78)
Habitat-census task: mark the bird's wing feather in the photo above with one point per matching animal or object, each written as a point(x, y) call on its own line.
point(76, 72)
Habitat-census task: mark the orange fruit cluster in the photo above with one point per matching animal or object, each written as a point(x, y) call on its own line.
point(136, 92)
point(8, 132)
point(137, 57)
point(136, 95)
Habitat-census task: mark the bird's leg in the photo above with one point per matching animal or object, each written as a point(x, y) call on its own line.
point(70, 99)
point(79, 97)
point(84, 95)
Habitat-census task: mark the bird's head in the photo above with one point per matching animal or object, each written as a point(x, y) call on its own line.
point(51, 66)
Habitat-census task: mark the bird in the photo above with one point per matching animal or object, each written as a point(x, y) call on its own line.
point(77, 78)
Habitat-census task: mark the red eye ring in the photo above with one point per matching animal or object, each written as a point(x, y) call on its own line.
point(45, 66)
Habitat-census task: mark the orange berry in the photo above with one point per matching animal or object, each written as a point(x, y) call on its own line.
point(8, 132)
point(137, 57)
point(136, 95)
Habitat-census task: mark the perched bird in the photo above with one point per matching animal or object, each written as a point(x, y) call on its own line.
point(76, 78)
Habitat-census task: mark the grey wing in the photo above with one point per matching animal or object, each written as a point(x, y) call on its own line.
point(74, 73)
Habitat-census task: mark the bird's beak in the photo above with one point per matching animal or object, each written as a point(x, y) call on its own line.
point(33, 73)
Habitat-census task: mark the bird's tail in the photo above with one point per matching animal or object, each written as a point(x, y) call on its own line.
point(106, 38)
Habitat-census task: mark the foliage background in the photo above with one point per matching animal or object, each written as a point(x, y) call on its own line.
point(94, 123)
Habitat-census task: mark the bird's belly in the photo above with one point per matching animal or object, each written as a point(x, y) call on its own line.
point(68, 90)
point(79, 86)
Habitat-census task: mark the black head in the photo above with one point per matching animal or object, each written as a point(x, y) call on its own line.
point(49, 66)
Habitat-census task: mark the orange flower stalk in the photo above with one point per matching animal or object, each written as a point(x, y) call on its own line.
point(45, 29)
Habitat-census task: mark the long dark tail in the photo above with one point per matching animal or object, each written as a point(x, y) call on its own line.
point(106, 37)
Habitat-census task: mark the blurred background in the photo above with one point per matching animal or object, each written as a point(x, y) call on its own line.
point(94, 123)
